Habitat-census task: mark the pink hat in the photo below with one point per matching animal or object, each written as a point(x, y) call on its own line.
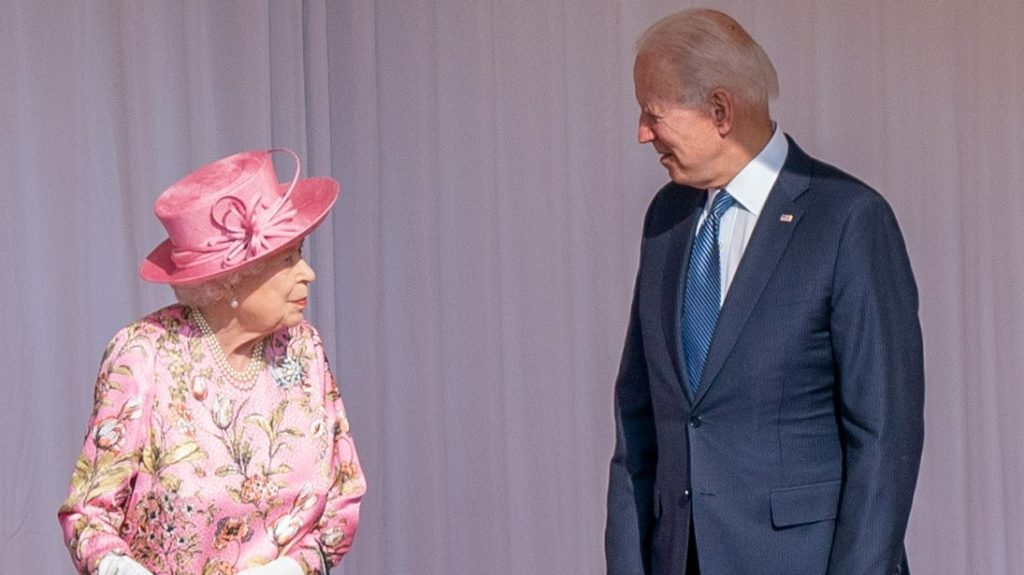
point(231, 213)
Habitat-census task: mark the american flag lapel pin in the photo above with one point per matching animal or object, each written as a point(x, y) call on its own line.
point(786, 218)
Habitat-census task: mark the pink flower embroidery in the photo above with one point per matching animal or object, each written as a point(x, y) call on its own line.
point(285, 529)
point(223, 410)
point(306, 500)
point(257, 488)
point(332, 537)
point(110, 434)
point(231, 529)
point(199, 386)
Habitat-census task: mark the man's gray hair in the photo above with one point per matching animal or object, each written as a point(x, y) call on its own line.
point(710, 50)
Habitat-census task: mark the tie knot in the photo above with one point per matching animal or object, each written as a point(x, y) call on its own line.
point(723, 201)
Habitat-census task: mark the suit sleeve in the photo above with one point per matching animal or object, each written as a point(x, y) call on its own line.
point(631, 476)
point(877, 346)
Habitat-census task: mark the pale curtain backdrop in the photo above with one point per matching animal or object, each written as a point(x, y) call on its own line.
point(474, 279)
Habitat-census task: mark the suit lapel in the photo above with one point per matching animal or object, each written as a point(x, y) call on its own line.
point(677, 260)
point(767, 244)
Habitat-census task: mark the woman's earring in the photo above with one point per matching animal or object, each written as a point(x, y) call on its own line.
point(234, 302)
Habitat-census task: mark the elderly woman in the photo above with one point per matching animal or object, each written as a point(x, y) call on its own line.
point(218, 443)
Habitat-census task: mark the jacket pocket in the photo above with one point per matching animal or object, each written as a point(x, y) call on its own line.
point(805, 503)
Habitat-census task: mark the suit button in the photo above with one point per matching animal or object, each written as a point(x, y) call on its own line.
point(684, 498)
point(695, 421)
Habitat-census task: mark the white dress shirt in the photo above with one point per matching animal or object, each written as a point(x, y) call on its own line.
point(750, 188)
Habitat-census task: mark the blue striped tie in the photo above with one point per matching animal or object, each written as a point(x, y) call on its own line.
point(703, 292)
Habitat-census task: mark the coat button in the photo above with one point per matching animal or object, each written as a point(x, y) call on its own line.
point(695, 421)
point(685, 498)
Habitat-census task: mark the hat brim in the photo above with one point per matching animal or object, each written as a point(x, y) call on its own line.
point(312, 199)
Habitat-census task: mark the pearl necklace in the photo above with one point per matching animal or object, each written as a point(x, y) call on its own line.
point(241, 380)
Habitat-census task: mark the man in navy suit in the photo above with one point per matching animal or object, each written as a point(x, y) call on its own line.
point(769, 403)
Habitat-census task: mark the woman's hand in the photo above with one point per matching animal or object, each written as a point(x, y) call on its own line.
point(279, 566)
point(120, 565)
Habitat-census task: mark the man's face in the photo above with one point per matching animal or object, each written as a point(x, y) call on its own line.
point(688, 139)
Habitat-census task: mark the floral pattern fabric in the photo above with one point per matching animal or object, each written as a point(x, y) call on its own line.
point(189, 475)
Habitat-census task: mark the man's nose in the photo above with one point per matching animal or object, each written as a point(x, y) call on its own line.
point(644, 133)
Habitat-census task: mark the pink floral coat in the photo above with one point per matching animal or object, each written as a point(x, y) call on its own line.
point(189, 475)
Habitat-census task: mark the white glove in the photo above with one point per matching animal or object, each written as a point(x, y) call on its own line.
point(120, 565)
point(279, 566)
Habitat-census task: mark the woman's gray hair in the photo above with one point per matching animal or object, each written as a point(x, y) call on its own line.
point(710, 50)
point(212, 291)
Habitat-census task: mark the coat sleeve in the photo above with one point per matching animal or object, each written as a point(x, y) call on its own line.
point(880, 385)
point(632, 471)
point(323, 546)
point(93, 512)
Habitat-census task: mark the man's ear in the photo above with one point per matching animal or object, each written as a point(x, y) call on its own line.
point(723, 110)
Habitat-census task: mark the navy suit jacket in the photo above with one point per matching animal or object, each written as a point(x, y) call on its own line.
point(800, 451)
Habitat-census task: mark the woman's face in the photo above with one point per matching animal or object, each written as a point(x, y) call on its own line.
point(275, 297)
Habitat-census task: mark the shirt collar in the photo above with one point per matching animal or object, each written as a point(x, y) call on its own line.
point(752, 184)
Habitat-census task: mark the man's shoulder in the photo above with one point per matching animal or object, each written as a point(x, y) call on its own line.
point(828, 183)
point(670, 205)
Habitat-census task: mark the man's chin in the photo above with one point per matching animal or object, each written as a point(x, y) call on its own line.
point(674, 172)
point(683, 178)
point(678, 177)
